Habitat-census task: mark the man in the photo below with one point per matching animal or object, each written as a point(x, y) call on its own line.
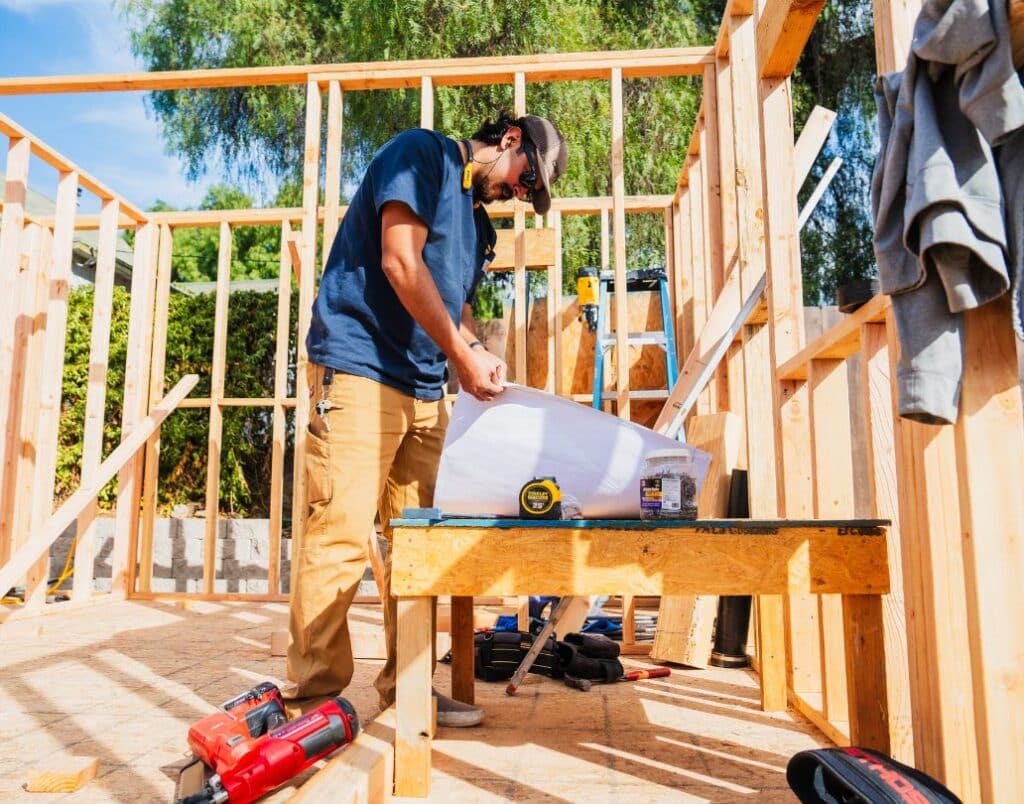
point(393, 308)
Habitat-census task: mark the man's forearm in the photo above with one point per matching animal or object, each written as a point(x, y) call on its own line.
point(418, 293)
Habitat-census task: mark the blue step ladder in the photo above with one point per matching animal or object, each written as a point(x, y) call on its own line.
point(648, 280)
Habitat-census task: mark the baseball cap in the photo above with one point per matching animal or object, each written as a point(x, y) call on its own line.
point(552, 156)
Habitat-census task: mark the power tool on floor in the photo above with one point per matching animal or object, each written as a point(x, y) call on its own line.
point(251, 748)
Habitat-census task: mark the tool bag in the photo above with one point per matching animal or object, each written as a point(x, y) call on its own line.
point(590, 656)
point(860, 776)
point(497, 654)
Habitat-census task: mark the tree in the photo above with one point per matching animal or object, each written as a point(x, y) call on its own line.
point(256, 131)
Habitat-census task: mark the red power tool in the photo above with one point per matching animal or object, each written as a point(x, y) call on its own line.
point(251, 752)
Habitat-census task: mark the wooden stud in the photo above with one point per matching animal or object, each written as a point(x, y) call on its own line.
point(700, 312)
point(833, 497)
point(521, 283)
point(413, 701)
point(990, 470)
point(426, 102)
point(284, 295)
point(135, 405)
point(332, 177)
point(876, 383)
point(621, 315)
point(310, 196)
point(55, 312)
point(941, 680)
point(213, 459)
point(11, 227)
point(31, 333)
point(150, 478)
point(555, 291)
point(95, 400)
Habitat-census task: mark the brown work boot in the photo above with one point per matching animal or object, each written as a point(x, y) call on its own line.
point(454, 714)
point(451, 714)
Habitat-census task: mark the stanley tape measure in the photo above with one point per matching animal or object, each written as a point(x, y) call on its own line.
point(540, 499)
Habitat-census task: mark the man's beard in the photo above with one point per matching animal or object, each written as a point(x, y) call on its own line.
point(485, 193)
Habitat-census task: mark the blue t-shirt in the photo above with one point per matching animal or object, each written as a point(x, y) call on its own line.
point(359, 326)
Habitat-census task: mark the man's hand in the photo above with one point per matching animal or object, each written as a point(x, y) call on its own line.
point(480, 373)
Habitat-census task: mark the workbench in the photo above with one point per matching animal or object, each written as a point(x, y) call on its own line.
point(467, 557)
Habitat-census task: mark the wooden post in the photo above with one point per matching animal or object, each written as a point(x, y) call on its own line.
point(759, 373)
point(13, 222)
point(426, 102)
point(95, 400)
point(520, 278)
point(213, 457)
point(150, 478)
point(55, 311)
point(990, 470)
point(310, 195)
point(413, 703)
point(876, 383)
point(554, 384)
point(284, 296)
point(135, 406)
point(332, 177)
point(621, 316)
point(711, 156)
point(29, 334)
point(833, 499)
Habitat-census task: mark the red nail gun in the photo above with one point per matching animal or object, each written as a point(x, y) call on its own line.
point(252, 749)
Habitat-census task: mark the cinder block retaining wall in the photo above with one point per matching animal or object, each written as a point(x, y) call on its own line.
point(243, 547)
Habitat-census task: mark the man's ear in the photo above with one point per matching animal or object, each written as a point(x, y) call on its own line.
point(512, 137)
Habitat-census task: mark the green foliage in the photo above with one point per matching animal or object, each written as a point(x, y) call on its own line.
point(247, 432)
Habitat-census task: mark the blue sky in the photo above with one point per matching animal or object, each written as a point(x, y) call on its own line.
point(110, 135)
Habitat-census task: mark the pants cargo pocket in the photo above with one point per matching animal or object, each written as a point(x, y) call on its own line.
point(319, 485)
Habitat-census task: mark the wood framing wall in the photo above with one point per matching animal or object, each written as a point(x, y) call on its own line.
point(952, 703)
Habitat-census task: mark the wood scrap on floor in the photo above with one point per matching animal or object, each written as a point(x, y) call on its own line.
point(62, 774)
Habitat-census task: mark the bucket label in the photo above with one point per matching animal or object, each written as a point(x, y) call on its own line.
point(650, 493)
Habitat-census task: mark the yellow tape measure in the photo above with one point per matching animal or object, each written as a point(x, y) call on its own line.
point(540, 499)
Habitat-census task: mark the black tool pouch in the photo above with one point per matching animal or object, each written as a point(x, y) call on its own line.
point(590, 656)
point(497, 654)
point(860, 776)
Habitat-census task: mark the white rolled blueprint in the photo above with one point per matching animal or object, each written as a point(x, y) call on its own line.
point(493, 448)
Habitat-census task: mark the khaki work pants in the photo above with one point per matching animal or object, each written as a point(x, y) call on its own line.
point(375, 450)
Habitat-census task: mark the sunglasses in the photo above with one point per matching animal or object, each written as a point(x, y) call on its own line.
point(528, 178)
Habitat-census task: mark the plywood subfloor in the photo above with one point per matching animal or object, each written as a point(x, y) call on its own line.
point(123, 681)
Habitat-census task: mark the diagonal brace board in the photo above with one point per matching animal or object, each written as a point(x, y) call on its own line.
point(727, 317)
point(20, 562)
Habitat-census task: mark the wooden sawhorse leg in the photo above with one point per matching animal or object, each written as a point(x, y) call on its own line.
point(462, 649)
point(865, 672)
point(413, 705)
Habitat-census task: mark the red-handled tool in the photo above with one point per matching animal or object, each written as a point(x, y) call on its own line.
point(636, 675)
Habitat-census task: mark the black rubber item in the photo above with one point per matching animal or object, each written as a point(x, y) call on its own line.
point(860, 776)
point(730, 648)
